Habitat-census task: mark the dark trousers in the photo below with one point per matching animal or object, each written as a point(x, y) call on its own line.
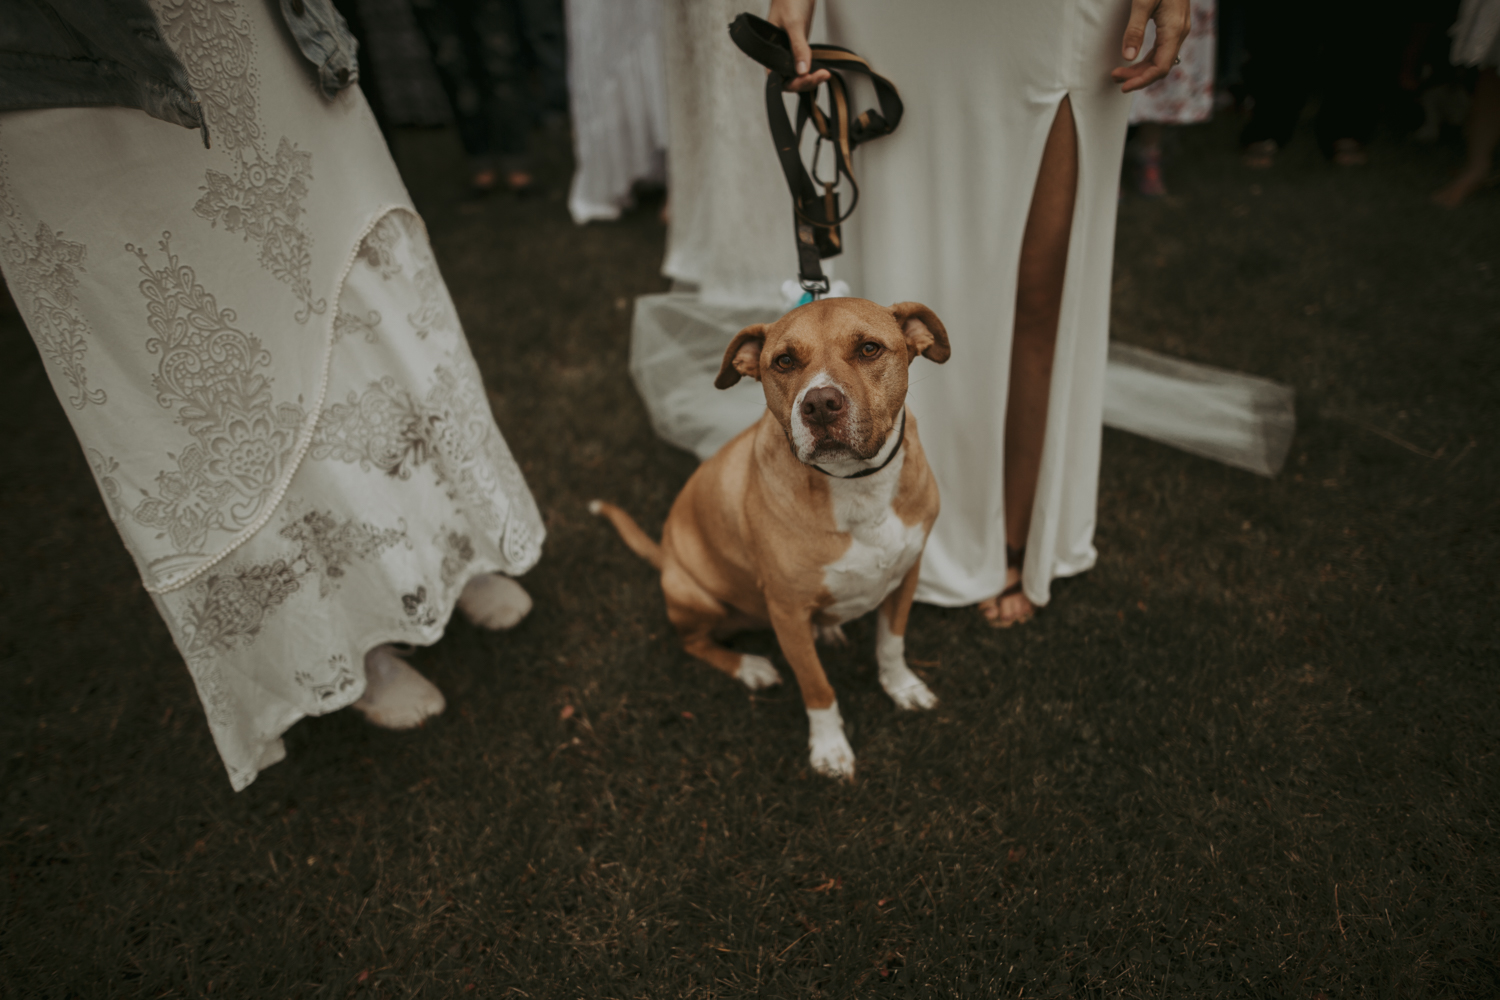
point(485, 52)
point(1344, 48)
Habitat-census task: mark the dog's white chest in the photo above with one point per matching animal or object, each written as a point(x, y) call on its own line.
point(882, 547)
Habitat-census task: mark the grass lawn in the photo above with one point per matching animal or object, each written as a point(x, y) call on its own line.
point(1252, 754)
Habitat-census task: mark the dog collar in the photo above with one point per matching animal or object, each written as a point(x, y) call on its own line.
point(900, 439)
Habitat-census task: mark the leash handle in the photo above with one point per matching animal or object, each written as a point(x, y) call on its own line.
point(816, 214)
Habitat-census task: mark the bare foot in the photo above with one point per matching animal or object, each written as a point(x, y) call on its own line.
point(396, 696)
point(1460, 189)
point(1007, 609)
point(494, 602)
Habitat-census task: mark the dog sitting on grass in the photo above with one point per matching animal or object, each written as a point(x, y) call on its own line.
point(815, 515)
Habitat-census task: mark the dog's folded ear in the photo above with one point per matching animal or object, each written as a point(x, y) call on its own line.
point(925, 334)
point(742, 357)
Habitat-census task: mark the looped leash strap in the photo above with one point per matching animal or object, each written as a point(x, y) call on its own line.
point(817, 212)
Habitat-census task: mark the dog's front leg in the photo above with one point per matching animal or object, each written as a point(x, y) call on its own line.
point(905, 688)
point(830, 753)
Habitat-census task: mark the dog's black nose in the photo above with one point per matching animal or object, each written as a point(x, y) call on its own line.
point(823, 405)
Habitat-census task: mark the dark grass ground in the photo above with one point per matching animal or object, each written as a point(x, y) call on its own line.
point(1253, 753)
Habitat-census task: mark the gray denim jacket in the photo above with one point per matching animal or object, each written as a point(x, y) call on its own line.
point(110, 53)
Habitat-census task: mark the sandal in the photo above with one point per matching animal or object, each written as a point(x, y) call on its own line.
point(1013, 558)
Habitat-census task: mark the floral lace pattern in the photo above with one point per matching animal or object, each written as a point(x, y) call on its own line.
point(338, 678)
point(422, 612)
point(43, 274)
point(458, 552)
point(262, 198)
point(378, 248)
point(215, 375)
point(386, 428)
point(230, 608)
point(347, 323)
point(436, 312)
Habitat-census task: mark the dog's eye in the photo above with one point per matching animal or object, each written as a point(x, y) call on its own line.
point(785, 362)
point(869, 349)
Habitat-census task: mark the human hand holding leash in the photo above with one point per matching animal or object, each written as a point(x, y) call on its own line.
point(795, 18)
point(1173, 19)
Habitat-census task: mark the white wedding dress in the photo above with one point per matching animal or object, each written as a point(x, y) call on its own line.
point(617, 96)
point(265, 371)
point(943, 207)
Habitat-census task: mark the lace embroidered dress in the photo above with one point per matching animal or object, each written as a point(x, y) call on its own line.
point(265, 371)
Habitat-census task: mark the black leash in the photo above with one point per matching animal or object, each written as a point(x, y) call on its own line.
point(817, 213)
point(862, 473)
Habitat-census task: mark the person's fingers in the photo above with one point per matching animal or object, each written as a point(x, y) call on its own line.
point(808, 81)
point(794, 17)
point(1173, 22)
point(1135, 30)
point(1141, 74)
point(801, 51)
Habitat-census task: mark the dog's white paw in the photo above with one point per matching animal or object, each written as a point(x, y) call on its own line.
point(396, 696)
point(829, 752)
point(909, 693)
point(831, 635)
point(494, 602)
point(905, 688)
point(756, 673)
point(833, 758)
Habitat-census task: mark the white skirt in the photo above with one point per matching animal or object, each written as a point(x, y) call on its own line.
point(1476, 34)
point(265, 371)
point(943, 209)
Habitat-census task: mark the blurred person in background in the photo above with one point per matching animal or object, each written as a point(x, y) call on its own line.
point(493, 56)
point(1343, 49)
point(1476, 42)
point(1185, 96)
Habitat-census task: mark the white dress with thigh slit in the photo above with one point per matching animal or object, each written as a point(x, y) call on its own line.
point(942, 211)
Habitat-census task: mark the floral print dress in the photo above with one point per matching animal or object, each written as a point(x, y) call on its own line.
point(1184, 96)
point(265, 371)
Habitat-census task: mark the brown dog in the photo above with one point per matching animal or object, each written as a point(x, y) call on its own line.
point(815, 515)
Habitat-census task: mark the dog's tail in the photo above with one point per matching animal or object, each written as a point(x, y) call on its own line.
point(640, 543)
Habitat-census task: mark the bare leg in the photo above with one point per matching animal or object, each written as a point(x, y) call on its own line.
point(1483, 133)
point(1044, 260)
